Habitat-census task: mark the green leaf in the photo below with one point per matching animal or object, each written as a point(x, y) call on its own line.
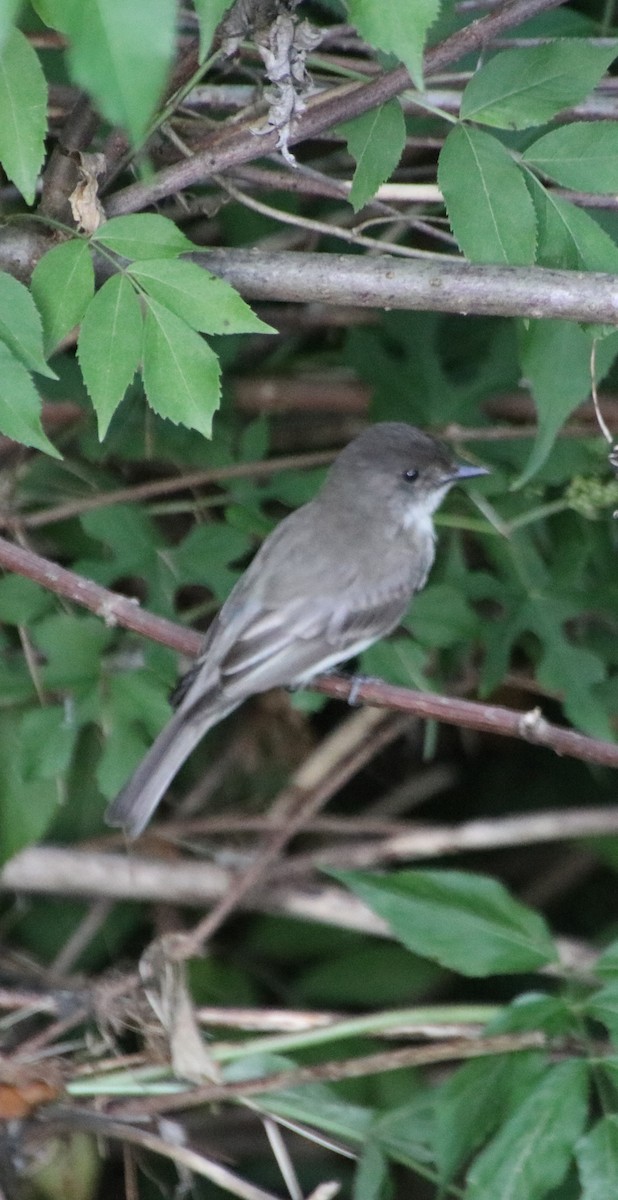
point(475, 1100)
point(555, 360)
point(181, 372)
point(533, 1150)
point(568, 237)
point(206, 303)
point(121, 52)
point(109, 346)
point(63, 286)
point(603, 1005)
point(582, 155)
point(46, 743)
point(72, 647)
point(529, 85)
point(9, 10)
point(376, 141)
point(597, 1160)
point(489, 206)
point(20, 405)
point(607, 965)
point(26, 807)
point(209, 14)
point(22, 601)
point(441, 616)
point(399, 28)
point(371, 1176)
point(143, 235)
point(468, 923)
point(20, 325)
point(23, 104)
point(205, 554)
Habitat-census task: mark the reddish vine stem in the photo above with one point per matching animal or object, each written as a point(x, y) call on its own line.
point(489, 718)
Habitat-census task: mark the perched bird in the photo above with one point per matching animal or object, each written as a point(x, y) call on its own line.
point(331, 579)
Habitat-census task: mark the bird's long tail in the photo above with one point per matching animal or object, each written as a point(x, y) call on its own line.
point(134, 805)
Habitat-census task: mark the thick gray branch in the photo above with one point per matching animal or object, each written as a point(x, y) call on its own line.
point(436, 286)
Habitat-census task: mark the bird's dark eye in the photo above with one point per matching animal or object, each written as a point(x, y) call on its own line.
point(410, 476)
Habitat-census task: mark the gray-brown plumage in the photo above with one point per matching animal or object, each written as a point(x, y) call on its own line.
point(331, 579)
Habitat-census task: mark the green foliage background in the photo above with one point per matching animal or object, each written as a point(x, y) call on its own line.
point(149, 350)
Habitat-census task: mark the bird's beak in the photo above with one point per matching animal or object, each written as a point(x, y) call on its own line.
point(465, 471)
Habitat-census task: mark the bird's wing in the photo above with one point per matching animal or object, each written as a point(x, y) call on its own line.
point(291, 643)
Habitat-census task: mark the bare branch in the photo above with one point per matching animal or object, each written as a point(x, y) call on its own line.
point(427, 285)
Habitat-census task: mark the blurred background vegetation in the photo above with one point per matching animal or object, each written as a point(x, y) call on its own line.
point(520, 610)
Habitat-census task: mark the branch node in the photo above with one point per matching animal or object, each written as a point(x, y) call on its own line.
point(533, 727)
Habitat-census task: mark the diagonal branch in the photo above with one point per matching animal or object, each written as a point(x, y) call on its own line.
point(240, 145)
point(507, 722)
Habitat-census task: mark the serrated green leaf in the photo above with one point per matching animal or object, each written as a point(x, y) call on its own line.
point(529, 85)
point(399, 28)
point(62, 287)
point(582, 155)
point(597, 1160)
point(468, 923)
point(20, 325)
point(20, 405)
point(23, 104)
point(121, 52)
point(181, 372)
point(555, 360)
point(376, 141)
point(488, 203)
point(568, 237)
point(209, 14)
point(143, 235)
point(109, 346)
point(46, 743)
point(9, 10)
point(206, 303)
point(533, 1150)
point(125, 744)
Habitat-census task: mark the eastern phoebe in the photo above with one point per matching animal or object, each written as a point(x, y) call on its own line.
point(331, 579)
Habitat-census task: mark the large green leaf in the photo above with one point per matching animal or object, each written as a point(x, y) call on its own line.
point(20, 325)
point(143, 235)
point(475, 1100)
point(23, 105)
point(597, 1160)
point(531, 1154)
point(582, 155)
point(530, 84)
point(9, 10)
point(568, 237)
point(398, 27)
point(121, 52)
point(109, 346)
point(20, 405)
point(555, 359)
point(468, 923)
point(206, 303)
point(489, 206)
point(63, 286)
point(376, 141)
point(181, 372)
